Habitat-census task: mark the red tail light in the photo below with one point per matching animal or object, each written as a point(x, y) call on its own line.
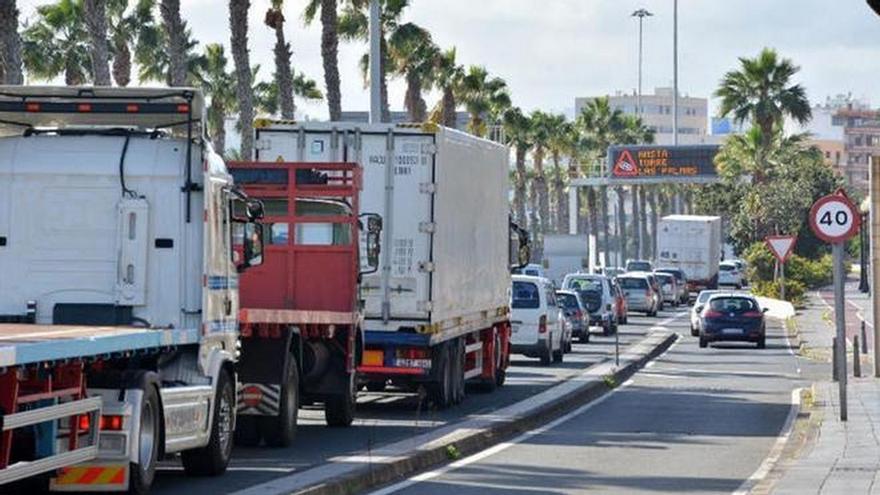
point(579, 314)
point(113, 423)
point(85, 422)
point(712, 314)
point(753, 314)
point(542, 324)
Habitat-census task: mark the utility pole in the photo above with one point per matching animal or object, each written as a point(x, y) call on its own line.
point(675, 72)
point(375, 63)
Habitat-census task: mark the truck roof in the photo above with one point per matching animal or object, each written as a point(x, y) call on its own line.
point(27, 344)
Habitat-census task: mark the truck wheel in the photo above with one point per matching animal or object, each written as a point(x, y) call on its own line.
point(441, 391)
point(458, 382)
point(279, 431)
point(212, 459)
point(339, 408)
point(247, 431)
point(144, 471)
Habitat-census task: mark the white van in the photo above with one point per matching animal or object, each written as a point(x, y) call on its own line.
point(536, 320)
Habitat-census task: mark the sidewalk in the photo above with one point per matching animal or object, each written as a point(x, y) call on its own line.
point(845, 457)
point(858, 308)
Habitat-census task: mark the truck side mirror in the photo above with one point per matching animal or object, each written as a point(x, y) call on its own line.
point(373, 241)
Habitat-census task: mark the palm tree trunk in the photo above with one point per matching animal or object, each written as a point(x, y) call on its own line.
point(620, 225)
point(413, 101)
point(561, 203)
point(592, 209)
point(519, 191)
point(652, 202)
point(96, 21)
point(634, 206)
point(383, 83)
point(535, 225)
point(330, 57)
point(121, 63)
point(238, 23)
point(10, 44)
point(583, 220)
point(283, 71)
point(218, 124)
point(174, 30)
point(449, 117)
point(541, 187)
point(643, 224)
point(606, 242)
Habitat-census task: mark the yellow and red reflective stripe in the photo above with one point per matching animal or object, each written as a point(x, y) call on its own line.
point(91, 475)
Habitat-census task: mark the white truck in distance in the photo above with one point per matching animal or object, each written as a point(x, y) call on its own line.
point(118, 287)
point(564, 254)
point(692, 243)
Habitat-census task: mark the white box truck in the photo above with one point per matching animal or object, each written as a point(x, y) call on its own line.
point(564, 254)
point(118, 287)
point(437, 309)
point(692, 243)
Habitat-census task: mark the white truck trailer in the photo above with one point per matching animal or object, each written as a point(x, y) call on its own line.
point(692, 243)
point(118, 287)
point(564, 254)
point(437, 310)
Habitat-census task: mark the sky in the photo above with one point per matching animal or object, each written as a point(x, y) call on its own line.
point(551, 51)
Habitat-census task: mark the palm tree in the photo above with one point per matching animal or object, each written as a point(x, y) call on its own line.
point(484, 98)
point(413, 55)
point(218, 84)
point(10, 44)
point(541, 133)
point(267, 94)
point(634, 131)
point(176, 38)
point(517, 127)
point(761, 90)
point(124, 27)
point(57, 43)
point(283, 72)
point(153, 59)
point(329, 51)
point(238, 23)
point(560, 137)
point(96, 21)
point(447, 76)
point(354, 25)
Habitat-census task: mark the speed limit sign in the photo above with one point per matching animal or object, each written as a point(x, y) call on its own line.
point(834, 218)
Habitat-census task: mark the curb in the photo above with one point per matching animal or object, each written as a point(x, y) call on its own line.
point(587, 386)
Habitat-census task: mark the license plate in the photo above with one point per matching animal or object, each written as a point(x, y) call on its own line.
point(732, 331)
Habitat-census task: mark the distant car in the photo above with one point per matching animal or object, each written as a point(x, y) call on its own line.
point(576, 312)
point(699, 304)
point(536, 320)
point(669, 286)
point(730, 274)
point(742, 269)
point(682, 281)
point(622, 308)
point(612, 271)
point(640, 296)
point(639, 266)
point(595, 291)
point(732, 317)
point(532, 270)
point(655, 285)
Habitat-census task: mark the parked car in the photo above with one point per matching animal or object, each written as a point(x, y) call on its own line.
point(639, 266)
point(536, 319)
point(532, 270)
point(576, 312)
point(682, 281)
point(622, 308)
point(595, 291)
point(640, 296)
point(730, 274)
point(669, 287)
point(732, 317)
point(699, 304)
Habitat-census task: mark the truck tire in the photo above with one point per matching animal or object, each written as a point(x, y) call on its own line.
point(458, 383)
point(247, 431)
point(144, 471)
point(339, 408)
point(212, 459)
point(441, 390)
point(500, 371)
point(279, 431)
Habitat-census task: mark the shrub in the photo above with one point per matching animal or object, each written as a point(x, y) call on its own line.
point(794, 290)
point(810, 274)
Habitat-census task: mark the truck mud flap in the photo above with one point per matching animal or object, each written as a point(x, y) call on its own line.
point(259, 399)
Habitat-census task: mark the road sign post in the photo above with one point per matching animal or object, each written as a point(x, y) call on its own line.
point(781, 246)
point(834, 219)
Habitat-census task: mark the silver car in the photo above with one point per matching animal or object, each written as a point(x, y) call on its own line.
point(669, 286)
point(699, 304)
point(640, 296)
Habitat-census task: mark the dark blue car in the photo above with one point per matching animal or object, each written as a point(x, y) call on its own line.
point(732, 318)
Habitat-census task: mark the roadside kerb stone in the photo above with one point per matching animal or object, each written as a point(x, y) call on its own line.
point(351, 474)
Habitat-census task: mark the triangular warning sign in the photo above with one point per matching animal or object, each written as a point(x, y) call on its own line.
point(625, 165)
point(781, 246)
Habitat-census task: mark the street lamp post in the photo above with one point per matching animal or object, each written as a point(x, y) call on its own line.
point(375, 63)
point(863, 255)
point(637, 231)
point(675, 72)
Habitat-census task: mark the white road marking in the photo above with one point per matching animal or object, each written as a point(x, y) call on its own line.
point(776, 451)
point(495, 449)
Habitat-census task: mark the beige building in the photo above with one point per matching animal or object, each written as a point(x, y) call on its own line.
point(656, 112)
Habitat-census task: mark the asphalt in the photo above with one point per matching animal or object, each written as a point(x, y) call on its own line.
point(384, 418)
point(696, 421)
